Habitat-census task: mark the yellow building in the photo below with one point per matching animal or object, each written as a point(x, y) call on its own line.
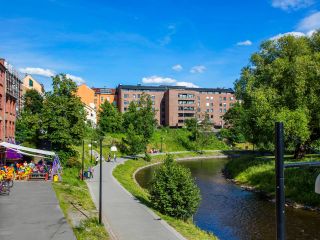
point(29, 82)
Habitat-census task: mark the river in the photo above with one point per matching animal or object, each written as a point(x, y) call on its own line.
point(234, 214)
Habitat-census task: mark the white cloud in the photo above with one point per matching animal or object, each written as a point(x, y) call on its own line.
point(310, 23)
point(38, 71)
point(167, 80)
point(76, 79)
point(245, 43)
point(291, 4)
point(198, 69)
point(187, 84)
point(295, 34)
point(177, 68)
point(158, 80)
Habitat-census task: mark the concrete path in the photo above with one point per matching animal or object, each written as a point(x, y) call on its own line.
point(124, 217)
point(32, 212)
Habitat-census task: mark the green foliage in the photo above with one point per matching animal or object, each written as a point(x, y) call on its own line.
point(173, 191)
point(147, 157)
point(29, 121)
point(260, 173)
point(281, 84)
point(63, 115)
point(110, 119)
point(139, 122)
point(133, 142)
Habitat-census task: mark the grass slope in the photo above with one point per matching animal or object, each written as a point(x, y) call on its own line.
point(124, 174)
point(259, 173)
point(73, 195)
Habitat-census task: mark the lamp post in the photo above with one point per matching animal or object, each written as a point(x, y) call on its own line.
point(82, 160)
point(161, 144)
point(91, 153)
point(280, 177)
point(100, 184)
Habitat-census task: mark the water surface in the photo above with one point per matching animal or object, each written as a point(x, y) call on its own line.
point(234, 214)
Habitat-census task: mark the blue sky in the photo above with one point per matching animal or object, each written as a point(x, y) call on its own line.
point(103, 43)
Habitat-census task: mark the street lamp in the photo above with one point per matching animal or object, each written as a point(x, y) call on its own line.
point(280, 190)
point(317, 186)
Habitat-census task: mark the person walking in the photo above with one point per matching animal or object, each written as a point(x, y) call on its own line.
point(109, 158)
point(114, 157)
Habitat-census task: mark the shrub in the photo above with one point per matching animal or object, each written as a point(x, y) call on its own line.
point(147, 157)
point(173, 191)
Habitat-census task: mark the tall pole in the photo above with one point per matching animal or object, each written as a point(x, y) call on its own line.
point(91, 153)
point(100, 184)
point(82, 161)
point(280, 193)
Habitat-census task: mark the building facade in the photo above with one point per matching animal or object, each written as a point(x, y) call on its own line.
point(10, 96)
point(104, 94)
point(29, 82)
point(86, 95)
point(174, 104)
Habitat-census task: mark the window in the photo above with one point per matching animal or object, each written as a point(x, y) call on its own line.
point(95, 101)
point(225, 110)
point(207, 110)
point(224, 98)
point(211, 116)
point(220, 98)
point(211, 98)
point(224, 104)
point(231, 98)
point(126, 95)
point(220, 104)
point(126, 102)
point(211, 104)
point(30, 83)
point(231, 104)
point(207, 98)
point(134, 96)
point(220, 110)
point(102, 99)
point(125, 109)
point(108, 99)
point(207, 104)
point(153, 97)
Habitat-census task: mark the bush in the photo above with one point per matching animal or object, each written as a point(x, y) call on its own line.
point(147, 157)
point(173, 191)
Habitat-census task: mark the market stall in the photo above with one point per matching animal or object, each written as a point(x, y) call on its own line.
point(36, 169)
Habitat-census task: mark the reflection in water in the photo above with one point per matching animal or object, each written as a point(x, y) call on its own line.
point(231, 213)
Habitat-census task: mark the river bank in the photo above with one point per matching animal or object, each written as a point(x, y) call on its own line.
point(125, 175)
point(257, 174)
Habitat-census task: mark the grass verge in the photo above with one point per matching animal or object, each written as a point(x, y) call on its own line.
point(259, 173)
point(78, 207)
point(124, 174)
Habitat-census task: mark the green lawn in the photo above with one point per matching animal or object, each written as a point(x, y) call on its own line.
point(259, 173)
point(124, 174)
point(75, 200)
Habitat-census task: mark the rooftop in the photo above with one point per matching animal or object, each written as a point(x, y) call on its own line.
point(167, 87)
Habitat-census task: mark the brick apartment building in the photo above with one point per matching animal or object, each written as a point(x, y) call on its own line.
point(175, 104)
point(10, 96)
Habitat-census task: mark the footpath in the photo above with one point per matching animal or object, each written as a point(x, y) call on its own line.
point(124, 216)
point(32, 212)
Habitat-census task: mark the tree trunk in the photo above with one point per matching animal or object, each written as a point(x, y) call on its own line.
point(300, 151)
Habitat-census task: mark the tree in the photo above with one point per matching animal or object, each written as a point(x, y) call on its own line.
point(29, 121)
point(140, 120)
point(173, 191)
point(134, 143)
point(63, 115)
point(281, 84)
point(110, 119)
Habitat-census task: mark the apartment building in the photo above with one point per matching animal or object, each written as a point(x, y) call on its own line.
point(87, 96)
point(104, 94)
point(29, 82)
point(175, 104)
point(10, 96)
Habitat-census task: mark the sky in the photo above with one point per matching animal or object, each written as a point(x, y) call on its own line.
point(103, 43)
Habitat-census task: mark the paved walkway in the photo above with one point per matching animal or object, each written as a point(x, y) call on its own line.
point(32, 212)
point(123, 215)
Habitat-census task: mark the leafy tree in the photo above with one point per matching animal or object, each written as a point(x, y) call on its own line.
point(140, 120)
point(173, 191)
point(281, 84)
point(29, 121)
point(133, 142)
point(110, 119)
point(63, 115)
